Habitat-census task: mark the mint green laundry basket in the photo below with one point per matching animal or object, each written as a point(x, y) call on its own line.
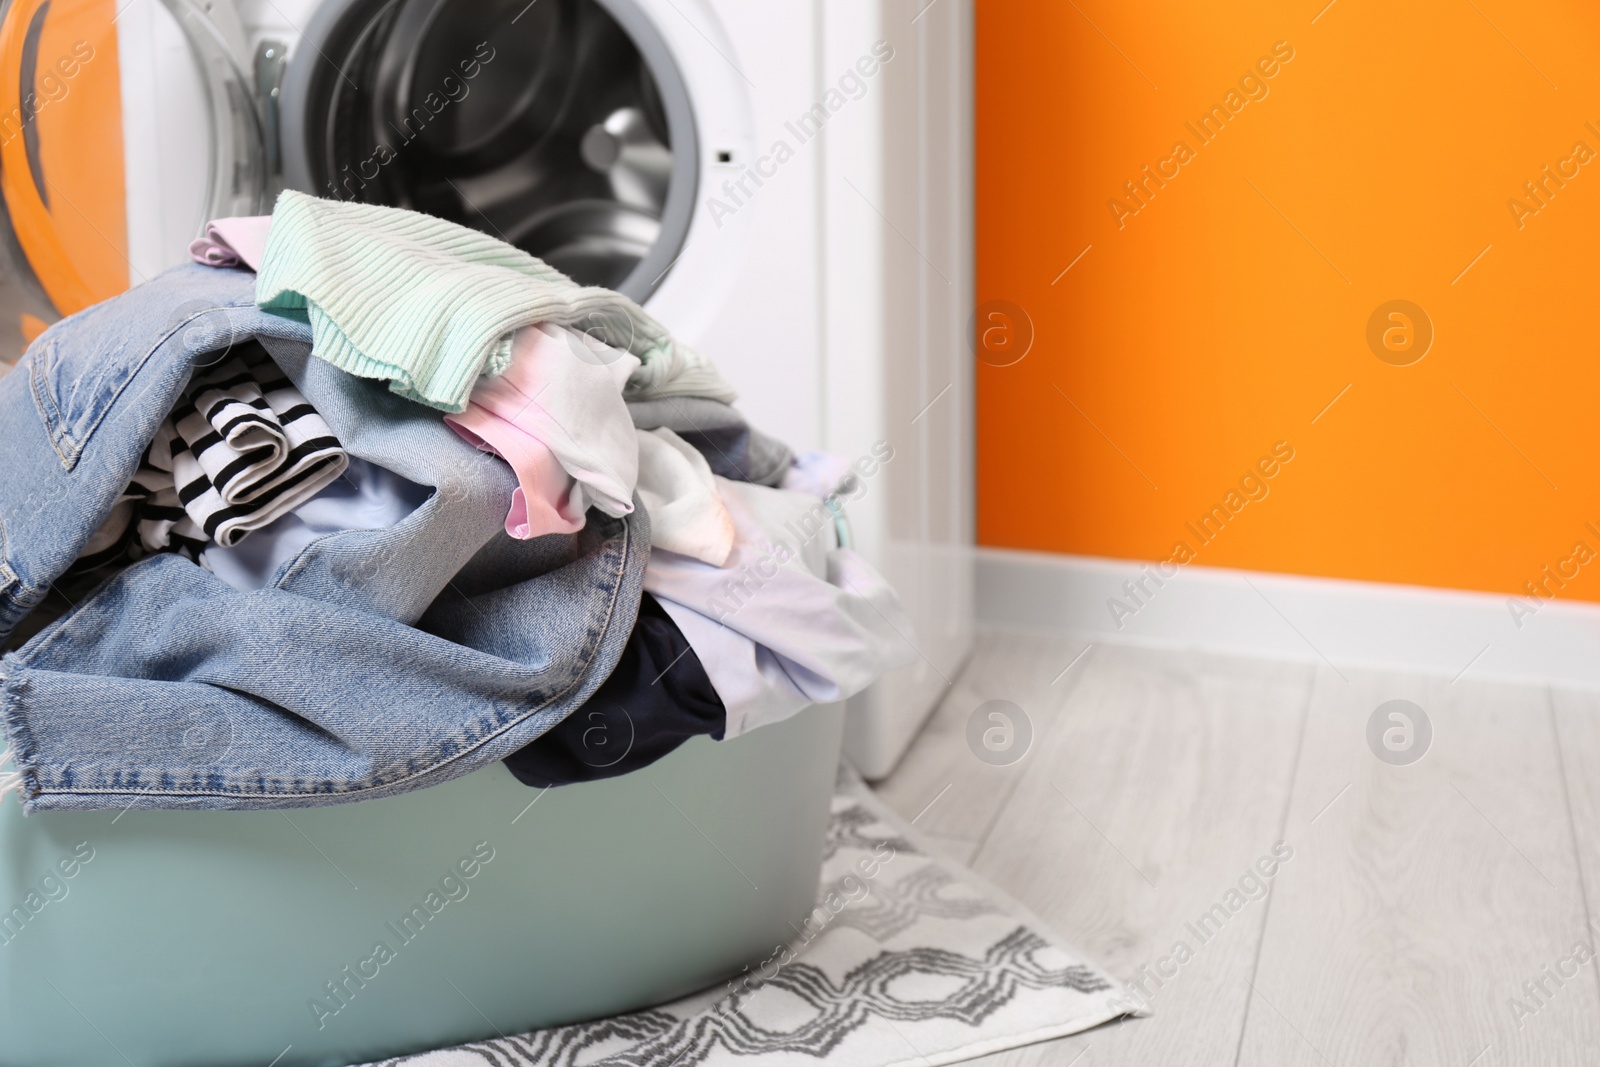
point(243, 939)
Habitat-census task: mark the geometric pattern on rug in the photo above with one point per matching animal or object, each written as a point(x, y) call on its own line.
point(908, 959)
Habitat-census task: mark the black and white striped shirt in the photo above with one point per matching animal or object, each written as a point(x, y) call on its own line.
point(241, 449)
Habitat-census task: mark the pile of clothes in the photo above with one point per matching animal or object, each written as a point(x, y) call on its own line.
point(364, 500)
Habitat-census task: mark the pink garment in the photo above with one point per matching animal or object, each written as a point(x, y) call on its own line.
point(232, 241)
point(548, 499)
point(558, 417)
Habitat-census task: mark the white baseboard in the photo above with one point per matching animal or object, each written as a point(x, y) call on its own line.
point(1360, 624)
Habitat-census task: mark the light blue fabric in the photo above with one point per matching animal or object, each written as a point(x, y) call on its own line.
point(365, 497)
point(376, 662)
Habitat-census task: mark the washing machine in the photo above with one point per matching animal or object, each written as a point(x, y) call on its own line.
point(787, 186)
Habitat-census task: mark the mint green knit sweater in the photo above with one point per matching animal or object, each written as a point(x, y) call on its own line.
point(429, 305)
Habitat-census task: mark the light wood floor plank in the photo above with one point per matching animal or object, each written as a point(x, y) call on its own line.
point(1166, 778)
point(941, 784)
point(1577, 724)
point(1421, 897)
point(953, 848)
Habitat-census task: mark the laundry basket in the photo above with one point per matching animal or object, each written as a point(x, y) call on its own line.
point(336, 935)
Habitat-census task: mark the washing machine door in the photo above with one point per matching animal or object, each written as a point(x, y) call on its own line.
point(124, 126)
point(561, 126)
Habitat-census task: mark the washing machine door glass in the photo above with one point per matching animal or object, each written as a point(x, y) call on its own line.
point(560, 126)
point(80, 113)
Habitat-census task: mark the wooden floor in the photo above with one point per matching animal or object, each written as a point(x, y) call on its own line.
point(1421, 905)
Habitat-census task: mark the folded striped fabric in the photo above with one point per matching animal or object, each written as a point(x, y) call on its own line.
point(241, 449)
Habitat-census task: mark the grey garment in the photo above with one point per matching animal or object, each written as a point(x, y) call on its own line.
point(734, 449)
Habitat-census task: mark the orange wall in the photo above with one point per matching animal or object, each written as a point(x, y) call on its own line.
point(1227, 313)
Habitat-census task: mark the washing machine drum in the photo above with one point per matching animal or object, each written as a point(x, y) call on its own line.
point(550, 124)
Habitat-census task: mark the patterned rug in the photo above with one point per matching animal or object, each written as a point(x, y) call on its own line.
point(907, 959)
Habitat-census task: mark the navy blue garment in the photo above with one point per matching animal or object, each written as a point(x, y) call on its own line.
point(656, 699)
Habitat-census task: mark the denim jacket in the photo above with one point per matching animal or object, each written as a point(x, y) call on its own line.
point(377, 661)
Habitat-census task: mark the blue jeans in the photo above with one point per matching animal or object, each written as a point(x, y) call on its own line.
point(377, 661)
